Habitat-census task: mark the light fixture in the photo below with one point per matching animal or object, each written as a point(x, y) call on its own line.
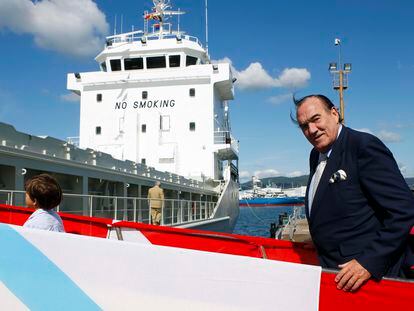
point(178, 37)
point(333, 66)
point(143, 40)
point(77, 75)
point(347, 67)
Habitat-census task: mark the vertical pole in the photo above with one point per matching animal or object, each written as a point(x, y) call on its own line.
point(134, 201)
point(90, 206)
point(206, 27)
point(341, 95)
point(85, 192)
point(116, 208)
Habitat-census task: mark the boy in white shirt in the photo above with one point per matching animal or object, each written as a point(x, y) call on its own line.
point(43, 193)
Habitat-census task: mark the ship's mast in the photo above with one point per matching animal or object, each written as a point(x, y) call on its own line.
point(160, 14)
point(340, 78)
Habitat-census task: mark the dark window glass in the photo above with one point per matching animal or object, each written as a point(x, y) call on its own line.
point(98, 130)
point(192, 92)
point(144, 94)
point(103, 66)
point(133, 63)
point(99, 97)
point(175, 60)
point(115, 64)
point(143, 128)
point(192, 126)
point(156, 62)
point(143, 161)
point(190, 60)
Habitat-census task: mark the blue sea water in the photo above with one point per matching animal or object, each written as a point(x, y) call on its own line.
point(256, 220)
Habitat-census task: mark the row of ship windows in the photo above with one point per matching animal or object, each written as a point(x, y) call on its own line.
point(153, 62)
point(191, 127)
point(191, 93)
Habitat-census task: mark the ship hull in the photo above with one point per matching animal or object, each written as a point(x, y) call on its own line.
point(285, 201)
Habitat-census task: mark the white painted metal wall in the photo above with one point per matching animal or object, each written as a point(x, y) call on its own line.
point(184, 152)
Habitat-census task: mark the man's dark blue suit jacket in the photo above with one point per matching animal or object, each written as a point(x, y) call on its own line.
point(366, 217)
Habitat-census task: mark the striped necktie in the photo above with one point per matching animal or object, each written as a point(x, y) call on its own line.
point(316, 178)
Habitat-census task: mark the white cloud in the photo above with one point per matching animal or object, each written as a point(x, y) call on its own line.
point(389, 137)
point(403, 168)
point(255, 77)
point(384, 135)
point(70, 97)
point(365, 130)
point(266, 173)
point(295, 174)
point(294, 77)
point(73, 27)
point(245, 176)
point(278, 99)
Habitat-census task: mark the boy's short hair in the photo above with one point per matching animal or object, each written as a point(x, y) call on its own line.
point(45, 190)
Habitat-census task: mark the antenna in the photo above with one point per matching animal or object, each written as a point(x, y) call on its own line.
point(122, 21)
point(178, 21)
point(115, 26)
point(206, 27)
point(145, 23)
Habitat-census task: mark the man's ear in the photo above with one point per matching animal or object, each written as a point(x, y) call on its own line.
point(335, 112)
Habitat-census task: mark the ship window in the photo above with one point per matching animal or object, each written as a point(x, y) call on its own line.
point(144, 94)
point(98, 130)
point(99, 97)
point(103, 66)
point(156, 62)
point(143, 128)
point(192, 92)
point(133, 63)
point(143, 161)
point(190, 60)
point(165, 123)
point(175, 60)
point(115, 64)
point(192, 126)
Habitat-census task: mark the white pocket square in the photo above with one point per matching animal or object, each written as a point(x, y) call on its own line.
point(339, 175)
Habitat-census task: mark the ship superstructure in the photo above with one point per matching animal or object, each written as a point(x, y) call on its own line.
point(158, 101)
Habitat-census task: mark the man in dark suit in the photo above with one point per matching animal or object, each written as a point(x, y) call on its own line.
point(359, 207)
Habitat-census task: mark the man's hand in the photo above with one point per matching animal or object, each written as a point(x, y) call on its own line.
point(351, 276)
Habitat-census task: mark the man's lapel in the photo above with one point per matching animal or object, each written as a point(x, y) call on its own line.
point(332, 166)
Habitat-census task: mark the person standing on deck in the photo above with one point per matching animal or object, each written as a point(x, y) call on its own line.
point(359, 207)
point(156, 202)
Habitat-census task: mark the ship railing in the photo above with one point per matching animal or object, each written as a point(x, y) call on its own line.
point(298, 214)
point(138, 35)
point(136, 209)
point(73, 140)
point(225, 137)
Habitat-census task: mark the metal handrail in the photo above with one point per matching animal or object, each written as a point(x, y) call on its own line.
point(174, 211)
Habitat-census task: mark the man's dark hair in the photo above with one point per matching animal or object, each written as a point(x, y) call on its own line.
point(45, 190)
point(325, 100)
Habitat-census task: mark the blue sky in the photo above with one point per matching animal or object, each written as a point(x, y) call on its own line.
point(275, 47)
